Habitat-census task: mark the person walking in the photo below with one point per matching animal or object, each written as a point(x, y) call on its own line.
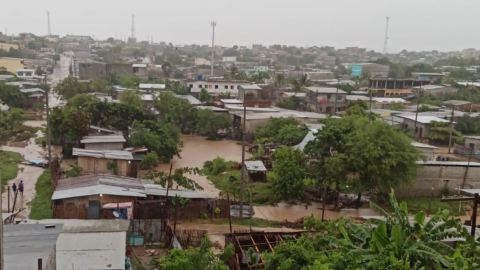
point(20, 187)
point(14, 188)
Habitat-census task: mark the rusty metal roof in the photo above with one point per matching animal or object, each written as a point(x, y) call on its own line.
point(105, 154)
point(103, 139)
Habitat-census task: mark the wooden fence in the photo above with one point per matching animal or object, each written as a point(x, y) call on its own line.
point(70, 211)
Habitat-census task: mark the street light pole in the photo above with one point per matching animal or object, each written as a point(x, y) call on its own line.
point(49, 145)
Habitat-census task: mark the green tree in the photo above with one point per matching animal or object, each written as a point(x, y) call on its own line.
point(177, 111)
point(131, 82)
point(440, 132)
point(204, 96)
point(259, 77)
point(9, 121)
point(79, 101)
point(100, 85)
point(290, 103)
point(279, 80)
point(197, 258)
point(397, 106)
point(467, 124)
point(12, 96)
point(69, 125)
point(69, 87)
point(269, 131)
point(290, 172)
point(132, 98)
point(178, 74)
point(210, 123)
point(300, 83)
point(149, 161)
point(74, 171)
point(178, 178)
point(291, 134)
point(167, 69)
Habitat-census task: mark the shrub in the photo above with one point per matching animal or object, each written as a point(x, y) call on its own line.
point(149, 161)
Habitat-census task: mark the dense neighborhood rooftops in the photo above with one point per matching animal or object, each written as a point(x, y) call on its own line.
point(88, 185)
point(422, 119)
point(103, 139)
point(326, 90)
point(105, 154)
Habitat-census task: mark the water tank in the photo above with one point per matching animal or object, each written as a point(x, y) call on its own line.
point(200, 77)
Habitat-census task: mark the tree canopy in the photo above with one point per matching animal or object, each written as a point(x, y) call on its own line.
point(12, 96)
point(210, 123)
point(290, 173)
point(69, 87)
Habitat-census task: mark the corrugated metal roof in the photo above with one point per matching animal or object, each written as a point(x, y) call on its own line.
point(190, 99)
point(140, 65)
point(389, 100)
point(422, 118)
point(98, 184)
point(250, 87)
point(471, 191)
point(86, 225)
point(255, 165)
point(473, 137)
point(32, 90)
point(422, 145)
point(357, 97)
point(151, 86)
point(105, 250)
point(158, 190)
point(24, 244)
point(449, 163)
point(326, 90)
point(105, 154)
point(103, 139)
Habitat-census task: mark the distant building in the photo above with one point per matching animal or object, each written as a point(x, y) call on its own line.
point(215, 86)
point(105, 142)
point(77, 38)
point(459, 105)
point(97, 162)
point(7, 46)
point(435, 90)
point(375, 70)
point(12, 64)
point(427, 76)
point(388, 83)
point(256, 96)
point(25, 73)
point(422, 125)
point(201, 61)
point(326, 99)
point(386, 103)
point(89, 69)
point(329, 61)
point(119, 68)
point(231, 59)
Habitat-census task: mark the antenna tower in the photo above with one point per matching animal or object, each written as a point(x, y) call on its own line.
point(48, 18)
point(133, 26)
point(213, 24)
point(386, 37)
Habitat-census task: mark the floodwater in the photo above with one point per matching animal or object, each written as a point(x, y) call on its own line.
point(27, 174)
point(196, 150)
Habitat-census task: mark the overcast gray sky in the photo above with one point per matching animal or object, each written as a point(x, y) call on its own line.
point(414, 24)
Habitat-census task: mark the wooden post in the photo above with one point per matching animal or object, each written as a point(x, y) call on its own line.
point(39, 264)
point(175, 220)
point(229, 216)
point(8, 202)
point(324, 202)
point(451, 129)
point(466, 169)
point(474, 215)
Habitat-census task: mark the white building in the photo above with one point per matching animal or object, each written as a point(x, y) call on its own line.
point(215, 87)
point(232, 59)
point(25, 73)
point(201, 61)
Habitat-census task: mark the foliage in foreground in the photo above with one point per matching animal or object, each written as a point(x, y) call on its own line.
point(392, 241)
point(9, 167)
point(42, 203)
point(197, 258)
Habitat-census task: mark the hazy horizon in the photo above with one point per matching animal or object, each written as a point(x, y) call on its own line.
point(414, 25)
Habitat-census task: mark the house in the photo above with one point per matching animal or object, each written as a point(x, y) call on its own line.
point(201, 61)
point(96, 130)
point(12, 64)
point(375, 70)
point(326, 99)
point(435, 90)
point(106, 161)
point(25, 74)
point(459, 105)
point(423, 123)
point(428, 76)
point(89, 69)
point(89, 244)
point(35, 95)
point(227, 102)
point(107, 142)
point(140, 70)
point(119, 68)
point(89, 193)
point(255, 96)
point(151, 87)
point(214, 87)
point(427, 150)
point(472, 142)
point(25, 245)
point(386, 103)
point(255, 171)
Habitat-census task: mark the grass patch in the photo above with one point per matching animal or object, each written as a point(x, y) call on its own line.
point(39, 140)
point(9, 166)
point(421, 204)
point(42, 203)
point(262, 193)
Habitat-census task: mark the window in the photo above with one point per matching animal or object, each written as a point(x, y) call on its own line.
point(231, 87)
point(339, 97)
point(471, 145)
point(20, 73)
point(29, 74)
point(226, 86)
point(199, 86)
point(216, 86)
point(191, 85)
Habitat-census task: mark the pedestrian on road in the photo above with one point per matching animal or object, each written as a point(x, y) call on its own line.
point(20, 187)
point(14, 188)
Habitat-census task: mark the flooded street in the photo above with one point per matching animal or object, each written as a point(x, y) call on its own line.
point(196, 150)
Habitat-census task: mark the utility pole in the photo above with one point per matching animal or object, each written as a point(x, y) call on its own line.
point(468, 166)
point(213, 24)
point(48, 17)
point(336, 97)
point(386, 37)
point(133, 27)
point(243, 162)
point(1, 229)
point(416, 113)
point(451, 129)
point(49, 143)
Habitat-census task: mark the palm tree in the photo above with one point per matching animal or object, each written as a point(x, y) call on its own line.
point(300, 83)
point(167, 69)
point(233, 73)
point(279, 80)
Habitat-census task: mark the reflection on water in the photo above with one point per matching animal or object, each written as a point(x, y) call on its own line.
point(196, 150)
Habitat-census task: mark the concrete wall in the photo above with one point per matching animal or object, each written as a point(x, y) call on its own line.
point(475, 142)
point(435, 176)
point(120, 68)
point(104, 146)
point(99, 166)
point(422, 129)
point(7, 47)
point(11, 64)
point(90, 70)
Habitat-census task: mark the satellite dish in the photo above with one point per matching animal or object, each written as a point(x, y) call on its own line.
point(115, 214)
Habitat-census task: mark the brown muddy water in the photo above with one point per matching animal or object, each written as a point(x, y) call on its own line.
point(196, 150)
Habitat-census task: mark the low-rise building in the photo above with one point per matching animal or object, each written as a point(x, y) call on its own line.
point(106, 162)
point(422, 123)
point(12, 64)
point(26, 74)
point(472, 142)
point(375, 70)
point(214, 87)
point(255, 96)
point(140, 70)
point(459, 105)
point(151, 87)
point(387, 83)
point(89, 69)
point(326, 100)
point(427, 150)
point(106, 142)
point(8, 46)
